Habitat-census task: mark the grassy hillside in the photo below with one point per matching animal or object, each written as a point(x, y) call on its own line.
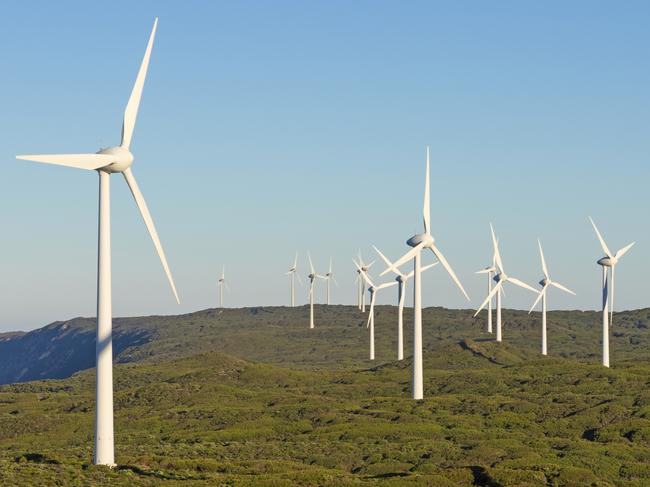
point(488, 419)
point(280, 335)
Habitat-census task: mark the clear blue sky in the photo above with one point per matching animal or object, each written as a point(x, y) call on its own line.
point(271, 127)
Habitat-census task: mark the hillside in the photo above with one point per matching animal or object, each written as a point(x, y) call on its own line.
point(279, 335)
point(489, 419)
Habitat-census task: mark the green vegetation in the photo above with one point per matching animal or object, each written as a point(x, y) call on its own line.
point(290, 406)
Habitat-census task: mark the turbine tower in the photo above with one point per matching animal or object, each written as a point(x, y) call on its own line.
point(330, 277)
point(106, 162)
point(500, 278)
point(293, 272)
point(545, 283)
point(490, 270)
point(419, 242)
point(401, 293)
point(221, 283)
point(608, 263)
point(372, 289)
point(312, 277)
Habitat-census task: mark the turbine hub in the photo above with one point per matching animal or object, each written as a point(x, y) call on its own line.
point(400, 279)
point(606, 262)
point(544, 282)
point(500, 277)
point(312, 276)
point(123, 159)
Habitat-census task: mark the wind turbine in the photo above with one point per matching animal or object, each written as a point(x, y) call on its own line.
point(330, 277)
point(361, 290)
point(106, 162)
point(490, 270)
point(545, 283)
point(608, 262)
point(500, 278)
point(372, 289)
point(419, 242)
point(401, 293)
point(312, 277)
point(293, 272)
point(221, 283)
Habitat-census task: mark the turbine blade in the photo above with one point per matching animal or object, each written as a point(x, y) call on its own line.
point(489, 296)
point(602, 241)
point(78, 161)
point(295, 261)
point(541, 254)
point(426, 209)
point(495, 245)
point(335, 281)
point(427, 267)
point(560, 286)
point(539, 296)
point(148, 221)
point(299, 279)
point(386, 284)
point(131, 110)
point(387, 261)
point(450, 271)
point(519, 283)
point(620, 253)
point(311, 264)
point(406, 257)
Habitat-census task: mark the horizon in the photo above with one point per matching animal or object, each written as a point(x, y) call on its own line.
point(308, 120)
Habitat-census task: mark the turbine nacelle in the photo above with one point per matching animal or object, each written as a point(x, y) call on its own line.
point(607, 261)
point(123, 159)
point(420, 238)
point(545, 282)
point(501, 276)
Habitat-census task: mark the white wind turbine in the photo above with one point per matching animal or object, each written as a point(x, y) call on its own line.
point(545, 283)
point(312, 277)
point(293, 272)
point(500, 278)
point(490, 270)
point(419, 242)
point(106, 162)
point(401, 293)
point(222, 283)
point(330, 277)
point(608, 262)
point(361, 294)
point(372, 289)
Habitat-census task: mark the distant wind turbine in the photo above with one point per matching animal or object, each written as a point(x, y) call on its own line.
point(312, 277)
point(545, 283)
point(106, 162)
point(490, 270)
point(419, 242)
point(222, 283)
point(500, 278)
point(401, 293)
point(608, 262)
point(293, 272)
point(362, 287)
point(373, 289)
point(330, 277)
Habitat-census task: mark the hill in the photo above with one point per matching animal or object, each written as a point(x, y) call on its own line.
point(279, 335)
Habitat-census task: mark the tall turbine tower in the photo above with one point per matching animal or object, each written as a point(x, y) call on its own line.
point(372, 289)
point(500, 278)
point(608, 263)
point(312, 277)
point(401, 278)
point(545, 283)
point(106, 162)
point(293, 272)
point(419, 242)
point(362, 286)
point(221, 283)
point(330, 277)
point(490, 270)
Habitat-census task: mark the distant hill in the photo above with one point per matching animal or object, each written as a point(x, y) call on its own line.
point(280, 335)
